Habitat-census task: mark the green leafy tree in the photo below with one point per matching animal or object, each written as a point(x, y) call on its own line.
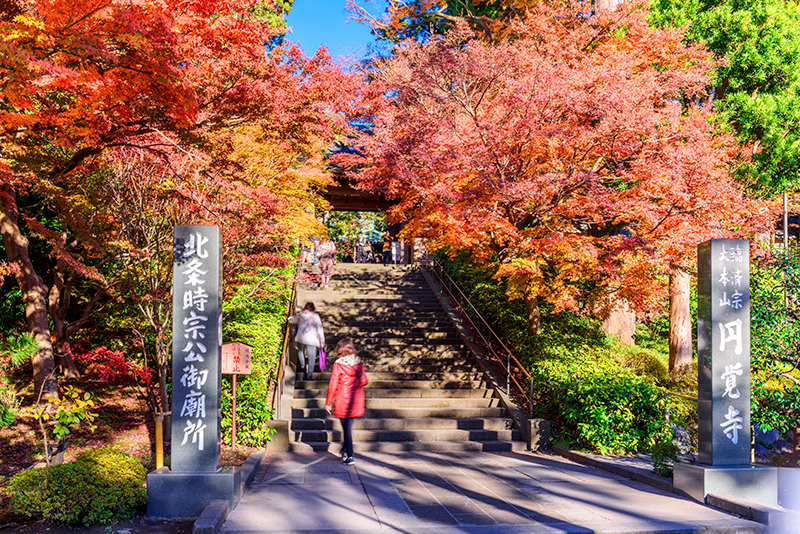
point(757, 82)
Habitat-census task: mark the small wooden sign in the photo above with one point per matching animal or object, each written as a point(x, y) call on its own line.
point(236, 358)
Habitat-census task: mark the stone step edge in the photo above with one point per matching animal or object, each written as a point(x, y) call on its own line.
point(394, 436)
point(443, 446)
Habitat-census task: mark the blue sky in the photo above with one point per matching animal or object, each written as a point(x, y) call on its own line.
point(317, 22)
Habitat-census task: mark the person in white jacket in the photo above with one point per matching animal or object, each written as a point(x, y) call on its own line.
point(309, 338)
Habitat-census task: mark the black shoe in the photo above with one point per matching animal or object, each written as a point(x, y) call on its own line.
point(349, 461)
point(309, 376)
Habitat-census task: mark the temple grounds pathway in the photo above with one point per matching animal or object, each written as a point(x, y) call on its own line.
point(460, 492)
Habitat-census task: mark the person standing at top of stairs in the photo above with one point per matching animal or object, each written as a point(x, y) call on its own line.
point(327, 259)
point(360, 252)
point(309, 338)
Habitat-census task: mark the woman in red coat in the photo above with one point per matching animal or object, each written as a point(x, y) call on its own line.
point(346, 392)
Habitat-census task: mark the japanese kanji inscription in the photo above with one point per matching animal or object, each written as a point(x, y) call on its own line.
point(196, 342)
point(723, 346)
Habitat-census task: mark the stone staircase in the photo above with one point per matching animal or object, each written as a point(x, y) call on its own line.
point(426, 391)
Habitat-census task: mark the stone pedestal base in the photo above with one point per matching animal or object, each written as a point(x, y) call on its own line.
point(186, 494)
point(751, 483)
point(538, 434)
point(789, 487)
point(279, 441)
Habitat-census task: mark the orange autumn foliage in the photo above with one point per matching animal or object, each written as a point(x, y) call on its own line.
point(581, 155)
point(172, 78)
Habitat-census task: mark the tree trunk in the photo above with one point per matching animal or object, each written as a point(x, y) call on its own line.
point(621, 322)
point(534, 315)
point(34, 296)
point(796, 442)
point(63, 352)
point(165, 407)
point(680, 321)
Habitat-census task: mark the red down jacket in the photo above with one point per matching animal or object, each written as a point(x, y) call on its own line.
point(346, 388)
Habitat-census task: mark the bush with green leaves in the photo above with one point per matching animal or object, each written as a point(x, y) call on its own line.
point(19, 349)
point(775, 340)
point(100, 486)
point(598, 395)
point(9, 404)
point(611, 412)
point(665, 454)
point(256, 318)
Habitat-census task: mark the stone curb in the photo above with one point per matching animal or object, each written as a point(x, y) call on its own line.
point(774, 519)
point(212, 518)
point(633, 473)
point(214, 515)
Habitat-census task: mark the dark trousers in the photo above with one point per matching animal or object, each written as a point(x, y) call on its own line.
point(387, 257)
point(347, 426)
point(361, 255)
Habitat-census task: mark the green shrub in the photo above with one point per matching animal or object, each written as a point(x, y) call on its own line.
point(646, 364)
point(665, 454)
point(613, 413)
point(100, 486)
point(775, 339)
point(256, 318)
point(9, 405)
point(597, 393)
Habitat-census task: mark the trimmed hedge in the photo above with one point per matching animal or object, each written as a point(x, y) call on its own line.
point(100, 486)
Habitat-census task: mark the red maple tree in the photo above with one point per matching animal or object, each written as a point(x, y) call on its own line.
point(580, 154)
point(79, 77)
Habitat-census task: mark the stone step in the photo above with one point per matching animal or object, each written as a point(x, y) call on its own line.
point(430, 423)
point(413, 413)
point(400, 384)
point(401, 446)
point(372, 306)
point(396, 296)
point(311, 436)
point(348, 330)
point(383, 364)
point(468, 366)
point(464, 367)
point(374, 393)
point(395, 336)
point(389, 344)
point(377, 287)
point(408, 402)
point(379, 353)
point(399, 375)
point(359, 318)
point(431, 359)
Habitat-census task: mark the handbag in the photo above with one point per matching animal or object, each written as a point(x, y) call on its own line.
point(322, 359)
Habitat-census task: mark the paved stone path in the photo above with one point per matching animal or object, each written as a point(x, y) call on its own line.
point(443, 493)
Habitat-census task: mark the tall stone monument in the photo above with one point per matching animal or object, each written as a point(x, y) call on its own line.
point(194, 477)
point(196, 349)
point(723, 389)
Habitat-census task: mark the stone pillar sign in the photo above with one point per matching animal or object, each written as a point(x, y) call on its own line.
point(723, 381)
point(723, 348)
point(194, 478)
point(196, 349)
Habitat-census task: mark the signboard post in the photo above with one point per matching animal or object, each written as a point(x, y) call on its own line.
point(723, 390)
point(236, 360)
